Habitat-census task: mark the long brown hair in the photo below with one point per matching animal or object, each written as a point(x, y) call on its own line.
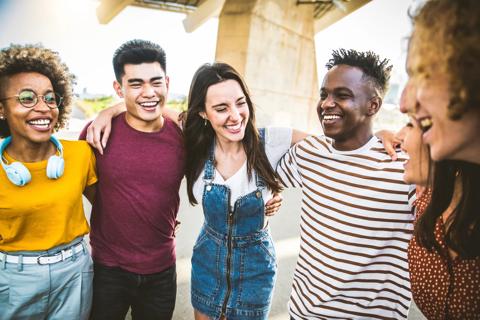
point(199, 136)
point(446, 39)
point(462, 232)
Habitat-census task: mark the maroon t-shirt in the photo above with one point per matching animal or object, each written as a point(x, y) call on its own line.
point(136, 204)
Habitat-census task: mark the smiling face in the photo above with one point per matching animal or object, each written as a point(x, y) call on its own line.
point(346, 107)
point(227, 110)
point(416, 167)
point(33, 125)
point(448, 139)
point(429, 97)
point(144, 87)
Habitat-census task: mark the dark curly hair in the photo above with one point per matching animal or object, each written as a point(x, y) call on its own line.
point(15, 59)
point(374, 69)
point(446, 39)
point(137, 51)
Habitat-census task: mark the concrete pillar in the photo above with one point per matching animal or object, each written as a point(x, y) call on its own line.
point(271, 43)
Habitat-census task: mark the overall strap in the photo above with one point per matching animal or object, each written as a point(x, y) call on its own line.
point(209, 174)
point(258, 180)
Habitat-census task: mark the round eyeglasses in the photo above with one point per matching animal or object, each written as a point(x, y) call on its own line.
point(29, 99)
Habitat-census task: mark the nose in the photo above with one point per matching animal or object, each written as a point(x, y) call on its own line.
point(408, 98)
point(41, 105)
point(148, 91)
point(234, 113)
point(325, 103)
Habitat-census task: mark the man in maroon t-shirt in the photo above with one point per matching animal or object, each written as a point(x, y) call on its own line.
point(134, 215)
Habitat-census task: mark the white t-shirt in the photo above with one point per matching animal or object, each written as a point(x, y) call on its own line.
point(277, 143)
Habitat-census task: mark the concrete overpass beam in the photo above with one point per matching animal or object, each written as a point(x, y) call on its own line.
point(271, 43)
point(207, 10)
point(341, 10)
point(108, 9)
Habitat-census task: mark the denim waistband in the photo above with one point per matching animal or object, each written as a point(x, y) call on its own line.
point(44, 257)
point(53, 250)
point(238, 241)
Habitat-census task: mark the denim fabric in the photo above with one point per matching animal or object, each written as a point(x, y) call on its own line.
point(250, 261)
point(151, 296)
point(61, 290)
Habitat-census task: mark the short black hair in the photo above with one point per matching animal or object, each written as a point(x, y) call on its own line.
point(374, 68)
point(136, 52)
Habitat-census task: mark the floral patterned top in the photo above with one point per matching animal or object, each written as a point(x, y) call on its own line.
point(443, 287)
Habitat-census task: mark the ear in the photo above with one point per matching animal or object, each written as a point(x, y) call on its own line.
point(202, 114)
point(374, 105)
point(118, 88)
point(167, 82)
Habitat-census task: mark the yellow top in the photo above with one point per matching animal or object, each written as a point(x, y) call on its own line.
point(46, 213)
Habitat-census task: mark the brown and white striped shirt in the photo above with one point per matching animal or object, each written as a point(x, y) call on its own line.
point(356, 223)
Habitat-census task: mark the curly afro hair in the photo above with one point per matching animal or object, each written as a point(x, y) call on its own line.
point(15, 59)
point(374, 69)
point(446, 40)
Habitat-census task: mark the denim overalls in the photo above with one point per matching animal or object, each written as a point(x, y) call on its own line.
point(233, 261)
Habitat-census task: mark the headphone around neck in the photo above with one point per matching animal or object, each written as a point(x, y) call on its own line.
point(19, 175)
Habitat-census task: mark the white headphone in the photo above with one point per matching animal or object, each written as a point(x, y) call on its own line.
point(19, 175)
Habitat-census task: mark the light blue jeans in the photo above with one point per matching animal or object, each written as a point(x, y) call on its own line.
point(61, 290)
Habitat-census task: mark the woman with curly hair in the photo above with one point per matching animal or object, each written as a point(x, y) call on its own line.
point(443, 94)
point(444, 66)
point(45, 268)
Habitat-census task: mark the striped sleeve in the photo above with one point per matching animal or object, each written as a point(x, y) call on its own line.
point(412, 196)
point(288, 170)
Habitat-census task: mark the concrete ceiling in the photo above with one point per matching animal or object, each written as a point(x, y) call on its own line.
point(326, 12)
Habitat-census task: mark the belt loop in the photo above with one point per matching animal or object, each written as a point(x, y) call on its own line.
point(20, 263)
point(84, 245)
point(74, 254)
point(4, 261)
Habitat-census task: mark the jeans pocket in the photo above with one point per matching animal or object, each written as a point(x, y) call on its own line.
point(87, 287)
point(257, 276)
point(4, 292)
point(202, 237)
point(205, 267)
point(269, 248)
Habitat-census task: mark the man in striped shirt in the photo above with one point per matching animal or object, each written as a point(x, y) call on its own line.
point(356, 217)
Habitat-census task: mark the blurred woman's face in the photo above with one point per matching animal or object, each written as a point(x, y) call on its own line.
point(448, 139)
point(416, 167)
point(32, 122)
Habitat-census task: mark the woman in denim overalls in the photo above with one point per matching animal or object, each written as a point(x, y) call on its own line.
point(229, 168)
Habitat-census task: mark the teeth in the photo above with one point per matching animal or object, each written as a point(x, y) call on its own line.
point(149, 104)
point(331, 117)
point(425, 124)
point(234, 127)
point(40, 122)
